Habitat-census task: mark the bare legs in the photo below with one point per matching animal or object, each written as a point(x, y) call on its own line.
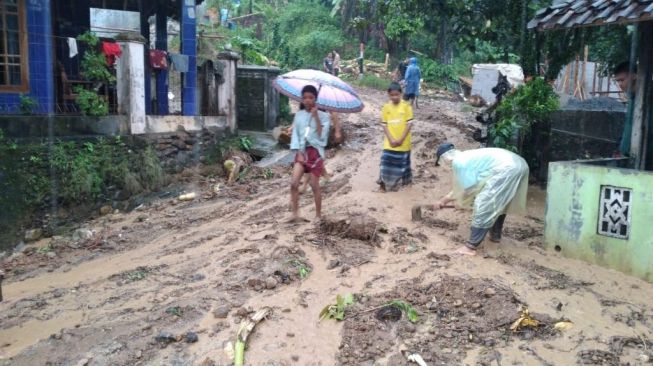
point(295, 186)
point(317, 193)
point(297, 174)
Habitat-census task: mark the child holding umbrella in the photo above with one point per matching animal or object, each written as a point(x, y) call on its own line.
point(310, 135)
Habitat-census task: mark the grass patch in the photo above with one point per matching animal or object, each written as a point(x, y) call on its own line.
point(136, 275)
point(466, 108)
point(372, 81)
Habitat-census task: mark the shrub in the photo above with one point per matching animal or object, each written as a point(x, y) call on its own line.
point(530, 104)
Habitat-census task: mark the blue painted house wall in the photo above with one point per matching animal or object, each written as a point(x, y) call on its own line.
point(40, 60)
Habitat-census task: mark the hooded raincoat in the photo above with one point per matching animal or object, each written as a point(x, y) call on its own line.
point(493, 181)
point(412, 78)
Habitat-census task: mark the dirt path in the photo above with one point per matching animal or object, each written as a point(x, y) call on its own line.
point(202, 266)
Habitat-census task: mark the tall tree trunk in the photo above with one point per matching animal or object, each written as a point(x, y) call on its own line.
point(442, 38)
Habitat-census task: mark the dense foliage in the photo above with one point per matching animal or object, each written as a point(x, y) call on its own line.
point(519, 112)
point(94, 69)
point(447, 35)
point(36, 175)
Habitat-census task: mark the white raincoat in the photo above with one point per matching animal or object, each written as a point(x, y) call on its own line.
point(494, 181)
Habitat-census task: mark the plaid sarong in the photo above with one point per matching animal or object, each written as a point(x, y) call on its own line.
point(395, 169)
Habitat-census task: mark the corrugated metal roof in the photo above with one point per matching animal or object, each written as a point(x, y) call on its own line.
point(582, 13)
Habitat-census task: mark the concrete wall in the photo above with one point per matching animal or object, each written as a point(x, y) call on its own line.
point(601, 214)
point(63, 126)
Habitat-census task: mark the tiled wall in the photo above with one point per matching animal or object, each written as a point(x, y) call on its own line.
point(41, 77)
point(189, 47)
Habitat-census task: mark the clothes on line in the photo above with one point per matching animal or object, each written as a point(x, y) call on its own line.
point(72, 47)
point(111, 52)
point(179, 62)
point(158, 59)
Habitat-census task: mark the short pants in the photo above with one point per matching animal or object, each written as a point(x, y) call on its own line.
point(313, 162)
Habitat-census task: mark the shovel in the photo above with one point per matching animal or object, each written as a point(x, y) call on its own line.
point(416, 212)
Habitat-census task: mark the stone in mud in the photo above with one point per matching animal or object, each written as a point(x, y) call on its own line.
point(243, 312)
point(271, 283)
point(458, 303)
point(51, 255)
point(82, 234)
point(221, 311)
point(207, 362)
point(33, 235)
point(82, 362)
point(256, 284)
point(191, 337)
point(165, 338)
point(333, 264)
point(197, 277)
point(489, 292)
point(105, 210)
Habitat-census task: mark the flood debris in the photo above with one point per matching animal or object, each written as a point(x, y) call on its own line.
point(246, 328)
point(525, 320)
point(165, 338)
point(187, 196)
point(456, 314)
point(416, 358)
point(597, 357)
point(360, 227)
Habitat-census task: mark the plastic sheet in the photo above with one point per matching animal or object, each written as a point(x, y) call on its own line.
point(493, 181)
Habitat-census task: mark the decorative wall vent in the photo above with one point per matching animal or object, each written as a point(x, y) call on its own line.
point(615, 212)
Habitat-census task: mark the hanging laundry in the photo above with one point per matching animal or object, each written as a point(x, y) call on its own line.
point(111, 52)
point(158, 59)
point(179, 62)
point(72, 47)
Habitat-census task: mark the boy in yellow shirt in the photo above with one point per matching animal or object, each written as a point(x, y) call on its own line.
point(396, 117)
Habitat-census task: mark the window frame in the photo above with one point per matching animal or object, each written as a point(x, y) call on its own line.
point(24, 54)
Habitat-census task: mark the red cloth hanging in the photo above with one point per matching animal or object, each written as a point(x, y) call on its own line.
point(158, 59)
point(111, 52)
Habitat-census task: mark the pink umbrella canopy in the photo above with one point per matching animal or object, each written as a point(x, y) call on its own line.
point(333, 94)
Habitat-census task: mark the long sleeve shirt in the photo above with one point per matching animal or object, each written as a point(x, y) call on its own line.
point(304, 132)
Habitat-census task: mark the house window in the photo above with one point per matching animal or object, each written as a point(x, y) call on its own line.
point(13, 46)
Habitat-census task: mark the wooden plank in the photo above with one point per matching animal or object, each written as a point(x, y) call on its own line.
point(642, 91)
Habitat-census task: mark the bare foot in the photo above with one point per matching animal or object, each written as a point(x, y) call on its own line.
point(465, 251)
point(297, 220)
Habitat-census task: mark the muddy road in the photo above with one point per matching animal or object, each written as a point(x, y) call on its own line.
point(169, 283)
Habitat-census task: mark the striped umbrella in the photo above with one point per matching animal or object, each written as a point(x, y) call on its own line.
point(334, 95)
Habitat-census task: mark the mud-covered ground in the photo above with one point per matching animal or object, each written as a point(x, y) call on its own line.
point(170, 282)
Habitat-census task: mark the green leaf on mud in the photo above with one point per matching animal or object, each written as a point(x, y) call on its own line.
point(337, 310)
point(407, 308)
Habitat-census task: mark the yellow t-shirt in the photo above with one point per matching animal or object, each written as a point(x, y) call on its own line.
point(397, 117)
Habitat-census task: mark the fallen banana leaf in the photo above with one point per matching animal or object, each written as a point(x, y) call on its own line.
point(525, 320)
point(564, 325)
point(246, 327)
